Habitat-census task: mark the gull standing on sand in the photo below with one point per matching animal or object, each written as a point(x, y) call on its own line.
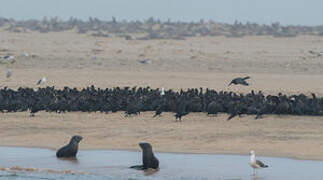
point(8, 57)
point(41, 81)
point(162, 92)
point(9, 73)
point(256, 164)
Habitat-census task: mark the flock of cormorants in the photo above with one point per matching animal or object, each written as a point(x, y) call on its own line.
point(138, 99)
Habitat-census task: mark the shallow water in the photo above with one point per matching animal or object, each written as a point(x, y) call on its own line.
point(105, 164)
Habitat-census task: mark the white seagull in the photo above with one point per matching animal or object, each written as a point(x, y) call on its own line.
point(162, 92)
point(256, 164)
point(9, 73)
point(41, 81)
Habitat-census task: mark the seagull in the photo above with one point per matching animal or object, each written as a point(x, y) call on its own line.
point(8, 57)
point(240, 80)
point(256, 164)
point(41, 81)
point(9, 73)
point(162, 92)
point(25, 54)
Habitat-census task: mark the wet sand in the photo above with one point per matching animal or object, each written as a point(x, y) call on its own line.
point(70, 59)
point(288, 136)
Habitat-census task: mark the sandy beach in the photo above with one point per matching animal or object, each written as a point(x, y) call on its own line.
point(275, 65)
point(297, 137)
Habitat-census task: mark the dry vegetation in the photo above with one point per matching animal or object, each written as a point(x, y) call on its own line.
point(156, 29)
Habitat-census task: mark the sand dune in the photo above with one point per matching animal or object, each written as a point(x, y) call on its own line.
point(69, 59)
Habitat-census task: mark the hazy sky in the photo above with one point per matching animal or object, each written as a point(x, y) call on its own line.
point(305, 12)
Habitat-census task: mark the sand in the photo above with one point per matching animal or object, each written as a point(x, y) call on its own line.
point(297, 137)
point(70, 59)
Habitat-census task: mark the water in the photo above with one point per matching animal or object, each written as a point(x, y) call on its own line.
point(34, 163)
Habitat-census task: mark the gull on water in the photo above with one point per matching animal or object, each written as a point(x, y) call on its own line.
point(9, 73)
point(41, 81)
point(256, 164)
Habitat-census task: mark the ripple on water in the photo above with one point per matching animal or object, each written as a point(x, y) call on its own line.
point(45, 176)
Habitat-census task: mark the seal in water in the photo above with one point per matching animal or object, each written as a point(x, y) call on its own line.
point(148, 158)
point(70, 150)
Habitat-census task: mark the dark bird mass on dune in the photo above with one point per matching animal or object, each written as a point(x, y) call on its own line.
point(135, 100)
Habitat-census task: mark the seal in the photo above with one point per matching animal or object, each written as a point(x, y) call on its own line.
point(70, 150)
point(148, 158)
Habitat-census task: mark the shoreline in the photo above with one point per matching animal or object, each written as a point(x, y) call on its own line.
point(274, 136)
point(270, 155)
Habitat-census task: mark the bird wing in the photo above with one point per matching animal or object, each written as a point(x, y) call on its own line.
point(261, 164)
point(245, 78)
point(39, 82)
